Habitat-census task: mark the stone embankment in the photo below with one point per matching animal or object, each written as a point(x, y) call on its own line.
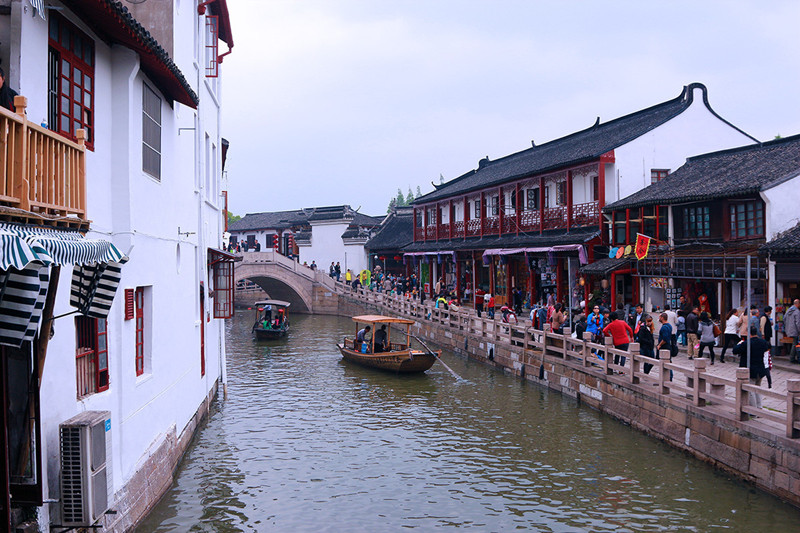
point(704, 410)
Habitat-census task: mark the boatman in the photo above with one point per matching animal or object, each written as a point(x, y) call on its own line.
point(362, 334)
point(380, 339)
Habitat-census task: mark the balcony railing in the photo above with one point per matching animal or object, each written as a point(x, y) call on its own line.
point(40, 170)
point(587, 214)
point(474, 227)
point(491, 225)
point(458, 229)
point(555, 217)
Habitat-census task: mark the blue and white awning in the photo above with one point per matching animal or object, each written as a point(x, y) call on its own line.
point(26, 253)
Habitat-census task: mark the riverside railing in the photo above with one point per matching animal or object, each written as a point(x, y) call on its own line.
point(666, 378)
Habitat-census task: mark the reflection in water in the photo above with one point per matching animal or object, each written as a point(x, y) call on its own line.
point(307, 442)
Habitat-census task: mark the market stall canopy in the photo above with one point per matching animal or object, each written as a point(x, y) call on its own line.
point(27, 252)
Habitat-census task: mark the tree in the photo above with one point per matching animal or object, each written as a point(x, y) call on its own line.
point(409, 196)
point(419, 192)
point(233, 218)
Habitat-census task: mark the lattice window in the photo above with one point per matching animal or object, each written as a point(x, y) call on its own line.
point(70, 80)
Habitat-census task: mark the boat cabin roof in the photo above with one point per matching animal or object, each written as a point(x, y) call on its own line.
point(378, 319)
point(277, 303)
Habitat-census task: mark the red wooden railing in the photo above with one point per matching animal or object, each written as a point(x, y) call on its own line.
point(491, 225)
point(585, 214)
point(458, 229)
point(474, 227)
point(555, 217)
point(444, 231)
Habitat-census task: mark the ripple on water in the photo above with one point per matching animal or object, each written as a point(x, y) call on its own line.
point(305, 442)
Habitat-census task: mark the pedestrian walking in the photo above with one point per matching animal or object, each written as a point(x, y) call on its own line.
point(791, 321)
point(692, 324)
point(706, 334)
point(644, 336)
point(758, 347)
point(621, 335)
point(672, 320)
point(730, 334)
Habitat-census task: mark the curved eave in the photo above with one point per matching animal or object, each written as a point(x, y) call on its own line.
point(113, 21)
point(220, 9)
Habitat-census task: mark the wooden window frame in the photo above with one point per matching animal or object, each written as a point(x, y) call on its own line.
point(658, 174)
point(153, 122)
point(695, 230)
point(79, 60)
point(221, 271)
point(91, 349)
point(533, 199)
point(140, 330)
point(754, 223)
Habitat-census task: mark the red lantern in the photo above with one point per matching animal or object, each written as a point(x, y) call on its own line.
point(275, 242)
point(397, 258)
point(382, 258)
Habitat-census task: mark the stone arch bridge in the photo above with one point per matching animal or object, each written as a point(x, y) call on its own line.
point(309, 291)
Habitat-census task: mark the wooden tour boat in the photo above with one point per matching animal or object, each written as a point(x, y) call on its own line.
point(272, 319)
point(391, 356)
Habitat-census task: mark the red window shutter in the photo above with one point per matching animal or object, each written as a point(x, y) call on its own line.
point(129, 302)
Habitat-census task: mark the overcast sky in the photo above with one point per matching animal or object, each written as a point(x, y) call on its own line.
point(330, 102)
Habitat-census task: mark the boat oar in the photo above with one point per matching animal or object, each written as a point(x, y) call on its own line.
point(431, 352)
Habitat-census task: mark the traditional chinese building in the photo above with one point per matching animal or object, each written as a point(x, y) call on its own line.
point(706, 218)
point(530, 219)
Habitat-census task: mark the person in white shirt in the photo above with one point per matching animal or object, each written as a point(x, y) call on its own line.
point(672, 320)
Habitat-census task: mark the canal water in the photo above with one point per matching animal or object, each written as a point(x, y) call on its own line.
point(306, 442)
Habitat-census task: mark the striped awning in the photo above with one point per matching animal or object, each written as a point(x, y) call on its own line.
point(27, 252)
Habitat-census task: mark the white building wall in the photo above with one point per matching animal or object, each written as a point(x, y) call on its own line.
point(327, 245)
point(695, 131)
point(781, 210)
point(141, 215)
point(355, 257)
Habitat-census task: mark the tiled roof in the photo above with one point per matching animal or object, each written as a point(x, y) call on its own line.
point(112, 19)
point(728, 173)
point(288, 219)
point(272, 220)
point(582, 146)
point(548, 238)
point(787, 243)
point(602, 266)
point(395, 233)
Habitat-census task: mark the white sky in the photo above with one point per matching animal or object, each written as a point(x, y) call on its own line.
point(329, 102)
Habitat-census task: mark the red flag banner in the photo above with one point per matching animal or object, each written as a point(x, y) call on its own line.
point(642, 246)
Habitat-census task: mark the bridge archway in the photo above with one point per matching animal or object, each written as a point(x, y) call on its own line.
point(281, 290)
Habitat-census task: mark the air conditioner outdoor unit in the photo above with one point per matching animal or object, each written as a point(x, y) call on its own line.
point(86, 487)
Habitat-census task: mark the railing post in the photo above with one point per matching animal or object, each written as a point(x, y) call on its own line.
point(792, 409)
point(545, 329)
point(699, 380)
point(587, 338)
point(21, 178)
point(81, 178)
point(742, 396)
point(608, 342)
point(567, 334)
point(633, 351)
point(663, 359)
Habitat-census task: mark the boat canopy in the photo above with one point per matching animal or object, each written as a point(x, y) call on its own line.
point(378, 319)
point(277, 303)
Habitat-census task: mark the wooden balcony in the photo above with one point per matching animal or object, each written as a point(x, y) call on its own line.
point(40, 171)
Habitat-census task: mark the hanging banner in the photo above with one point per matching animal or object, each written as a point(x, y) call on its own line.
point(642, 246)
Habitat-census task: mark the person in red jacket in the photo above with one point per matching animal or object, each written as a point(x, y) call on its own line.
point(621, 334)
